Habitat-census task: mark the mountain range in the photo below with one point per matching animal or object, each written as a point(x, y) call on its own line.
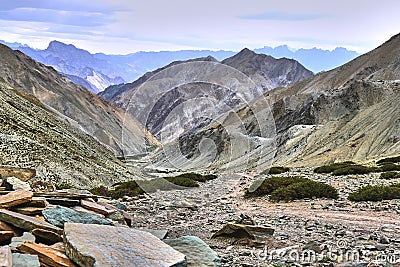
point(349, 113)
point(98, 71)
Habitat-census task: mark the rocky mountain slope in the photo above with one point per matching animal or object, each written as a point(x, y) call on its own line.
point(34, 136)
point(181, 107)
point(107, 123)
point(348, 113)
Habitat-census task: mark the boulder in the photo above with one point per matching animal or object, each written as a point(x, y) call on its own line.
point(198, 253)
point(244, 231)
point(47, 255)
point(15, 198)
point(13, 183)
point(28, 210)
point(26, 222)
point(5, 257)
point(101, 245)
point(60, 215)
point(25, 260)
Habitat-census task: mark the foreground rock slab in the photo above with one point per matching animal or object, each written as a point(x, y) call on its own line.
point(25, 260)
point(60, 215)
point(47, 255)
point(26, 222)
point(198, 253)
point(5, 256)
point(15, 198)
point(100, 245)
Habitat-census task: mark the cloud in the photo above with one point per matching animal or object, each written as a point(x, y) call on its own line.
point(282, 16)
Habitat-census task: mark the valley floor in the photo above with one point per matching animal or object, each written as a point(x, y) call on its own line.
point(339, 231)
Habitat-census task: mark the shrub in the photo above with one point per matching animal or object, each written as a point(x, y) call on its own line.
point(389, 160)
point(332, 167)
point(100, 191)
point(130, 188)
point(386, 167)
point(275, 170)
point(376, 193)
point(389, 175)
point(271, 184)
point(307, 189)
point(182, 181)
point(198, 177)
point(353, 169)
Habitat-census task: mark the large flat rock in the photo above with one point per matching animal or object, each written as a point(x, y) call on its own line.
point(15, 198)
point(60, 215)
point(101, 245)
point(26, 222)
point(197, 252)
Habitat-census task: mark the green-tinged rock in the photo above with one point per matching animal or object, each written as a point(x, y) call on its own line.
point(26, 222)
point(25, 260)
point(60, 215)
point(18, 240)
point(198, 253)
point(101, 245)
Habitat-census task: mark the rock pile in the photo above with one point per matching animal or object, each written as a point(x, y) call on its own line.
point(67, 228)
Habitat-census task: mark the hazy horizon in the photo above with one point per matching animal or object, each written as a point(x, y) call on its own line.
point(124, 27)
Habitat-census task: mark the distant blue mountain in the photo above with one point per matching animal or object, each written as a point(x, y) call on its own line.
point(98, 71)
point(314, 59)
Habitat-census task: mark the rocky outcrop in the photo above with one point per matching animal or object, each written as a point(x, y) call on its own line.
point(84, 110)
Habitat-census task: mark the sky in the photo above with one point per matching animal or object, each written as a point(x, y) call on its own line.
point(127, 26)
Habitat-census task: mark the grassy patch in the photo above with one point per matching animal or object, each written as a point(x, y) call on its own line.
point(269, 185)
point(386, 167)
point(389, 160)
point(136, 188)
point(307, 189)
point(389, 175)
point(333, 167)
point(376, 193)
point(353, 169)
point(275, 170)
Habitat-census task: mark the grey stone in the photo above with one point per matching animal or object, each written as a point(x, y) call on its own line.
point(15, 241)
point(13, 183)
point(101, 245)
point(5, 256)
point(198, 253)
point(25, 260)
point(60, 215)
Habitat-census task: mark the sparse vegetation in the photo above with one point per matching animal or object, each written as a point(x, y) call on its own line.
point(333, 167)
point(136, 188)
point(386, 167)
point(376, 193)
point(275, 170)
point(389, 160)
point(307, 189)
point(269, 185)
point(290, 188)
point(389, 175)
point(353, 169)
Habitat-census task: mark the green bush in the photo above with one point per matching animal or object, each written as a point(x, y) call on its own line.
point(332, 167)
point(389, 160)
point(353, 169)
point(376, 193)
point(198, 177)
point(130, 188)
point(386, 167)
point(182, 181)
point(100, 191)
point(307, 189)
point(389, 175)
point(271, 184)
point(275, 170)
